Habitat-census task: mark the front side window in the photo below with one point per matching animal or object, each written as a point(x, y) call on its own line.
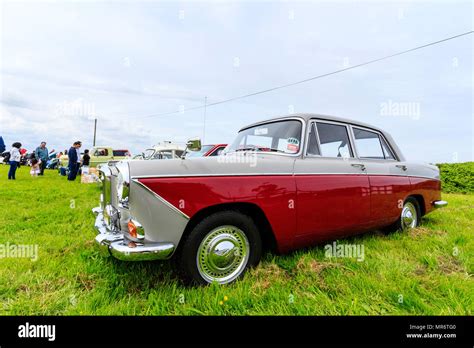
point(280, 137)
point(370, 145)
point(334, 140)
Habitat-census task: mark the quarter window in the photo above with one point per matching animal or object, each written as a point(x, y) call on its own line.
point(313, 147)
point(386, 150)
point(334, 140)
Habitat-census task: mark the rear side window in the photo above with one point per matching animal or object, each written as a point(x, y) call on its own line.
point(334, 140)
point(370, 145)
point(386, 150)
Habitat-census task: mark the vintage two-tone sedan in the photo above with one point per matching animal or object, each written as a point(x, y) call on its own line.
point(284, 183)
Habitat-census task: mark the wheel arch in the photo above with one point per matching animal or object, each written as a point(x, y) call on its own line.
point(421, 202)
point(251, 209)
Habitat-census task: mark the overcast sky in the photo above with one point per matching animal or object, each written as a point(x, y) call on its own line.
point(62, 64)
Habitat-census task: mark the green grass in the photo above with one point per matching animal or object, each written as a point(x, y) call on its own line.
point(426, 271)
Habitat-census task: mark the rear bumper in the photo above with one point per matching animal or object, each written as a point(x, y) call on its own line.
point(115, 244)
point(439, 204)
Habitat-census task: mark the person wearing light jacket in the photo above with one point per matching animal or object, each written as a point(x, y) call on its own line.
point(15, 157)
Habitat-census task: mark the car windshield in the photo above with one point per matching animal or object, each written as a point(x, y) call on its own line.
point(200, 153)
point(280, 137)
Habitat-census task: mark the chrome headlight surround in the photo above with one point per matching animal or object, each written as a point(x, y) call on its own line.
point(123, 183)
point(104, 176)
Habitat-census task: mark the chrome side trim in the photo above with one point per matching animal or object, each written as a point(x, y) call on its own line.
point(202, 175)
point(440, 204)
point(375, 174)
point(160, 198)
point(136, 178)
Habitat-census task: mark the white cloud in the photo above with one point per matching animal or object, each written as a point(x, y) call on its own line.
point(125, 60)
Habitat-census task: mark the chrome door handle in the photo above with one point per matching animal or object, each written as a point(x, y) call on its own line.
point(358, 165)
point(401, 166)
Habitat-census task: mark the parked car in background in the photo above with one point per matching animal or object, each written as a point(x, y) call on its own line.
point(100, 154)
point(162, 150)
point(5, 157)
point(284, 183)
point(206, 150)
point(53, 161)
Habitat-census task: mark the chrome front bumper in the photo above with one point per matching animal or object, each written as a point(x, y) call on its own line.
point(114, 243)
point(440, 204)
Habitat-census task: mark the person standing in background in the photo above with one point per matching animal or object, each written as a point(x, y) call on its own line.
point(73, 160)
point(14, 160)
point(42, 154)
point(85, 162)
point(78, 150)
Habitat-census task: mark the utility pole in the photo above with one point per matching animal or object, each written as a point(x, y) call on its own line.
point(204, 126)
point(95, 129)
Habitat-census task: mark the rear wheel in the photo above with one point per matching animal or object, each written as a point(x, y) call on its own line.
point(220, 248)
point(410, 216)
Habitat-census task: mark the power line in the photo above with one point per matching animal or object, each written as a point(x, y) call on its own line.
point(312, 78)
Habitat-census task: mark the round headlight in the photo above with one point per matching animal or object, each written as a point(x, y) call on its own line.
point(123, 182)
point(123, 187)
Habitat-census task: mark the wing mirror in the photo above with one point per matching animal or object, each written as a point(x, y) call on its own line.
point(193, 144)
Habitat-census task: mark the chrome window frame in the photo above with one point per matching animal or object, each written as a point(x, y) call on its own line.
point(381, 136)
point(302, 138)
point(337, 123)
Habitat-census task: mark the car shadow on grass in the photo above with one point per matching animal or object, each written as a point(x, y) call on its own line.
point(139, 276)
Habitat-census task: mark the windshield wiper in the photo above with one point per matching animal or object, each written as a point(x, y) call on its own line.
point(259, 148)
point(248, 148)
point(276, 150)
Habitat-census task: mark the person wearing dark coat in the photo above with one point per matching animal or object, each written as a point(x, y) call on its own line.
point(73, 163)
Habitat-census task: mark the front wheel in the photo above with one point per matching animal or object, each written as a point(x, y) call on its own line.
point(220, 248)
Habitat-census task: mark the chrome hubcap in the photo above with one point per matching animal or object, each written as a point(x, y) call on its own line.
point(409, 216)
point(223, 254)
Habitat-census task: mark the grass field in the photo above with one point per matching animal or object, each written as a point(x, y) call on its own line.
point(426, 271)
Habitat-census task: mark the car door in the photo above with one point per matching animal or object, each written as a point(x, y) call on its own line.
point(332, 186)
point(389, 184)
